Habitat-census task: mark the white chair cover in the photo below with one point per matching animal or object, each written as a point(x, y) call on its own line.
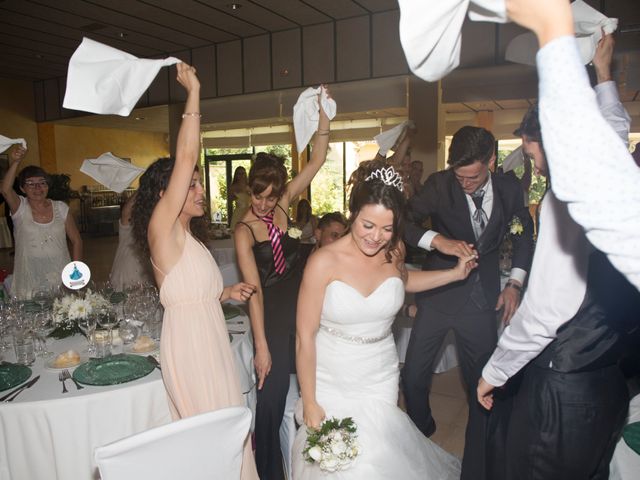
point(207, 446)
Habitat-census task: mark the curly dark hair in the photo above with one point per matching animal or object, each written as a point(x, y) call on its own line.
point(268, 169)
point(375, 192)
point(469, 145)
point(152, 182)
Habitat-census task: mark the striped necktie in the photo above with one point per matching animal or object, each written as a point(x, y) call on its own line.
point(275, 235)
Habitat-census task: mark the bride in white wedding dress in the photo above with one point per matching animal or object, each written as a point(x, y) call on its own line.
point(346, 357)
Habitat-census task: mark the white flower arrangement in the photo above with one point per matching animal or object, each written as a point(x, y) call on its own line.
point(333, 446)
point(294, 232)
point(70, 308)
point(515, 226)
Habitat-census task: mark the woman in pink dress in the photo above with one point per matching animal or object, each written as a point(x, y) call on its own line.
point(198, 369)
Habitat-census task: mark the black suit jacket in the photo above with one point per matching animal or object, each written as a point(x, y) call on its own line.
point(443, 200)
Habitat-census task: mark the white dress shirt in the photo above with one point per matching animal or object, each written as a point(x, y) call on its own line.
point(557, 283)
point(591, 168)
point(487, 205)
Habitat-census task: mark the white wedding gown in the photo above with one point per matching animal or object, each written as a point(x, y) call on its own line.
point(357, 376)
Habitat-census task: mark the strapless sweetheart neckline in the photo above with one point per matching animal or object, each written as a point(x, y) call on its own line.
point(359, 292)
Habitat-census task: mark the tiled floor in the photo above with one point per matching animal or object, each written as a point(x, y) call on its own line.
point(448, 399)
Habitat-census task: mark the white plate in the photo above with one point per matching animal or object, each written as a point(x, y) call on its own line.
point(49, 363)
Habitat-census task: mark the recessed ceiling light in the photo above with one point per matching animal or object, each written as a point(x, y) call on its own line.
point(122, 34)
point(234, 6)
point(139, 118)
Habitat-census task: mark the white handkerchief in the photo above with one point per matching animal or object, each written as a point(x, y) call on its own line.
point(430, 32)
point(111, 171)
point(6, 142)
point(387, 139)
point(103, 79)
point(513, 160)
point(306, 114)
point(587, 23)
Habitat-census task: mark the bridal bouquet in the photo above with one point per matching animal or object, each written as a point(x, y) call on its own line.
point(70, 308)
point(333, 446)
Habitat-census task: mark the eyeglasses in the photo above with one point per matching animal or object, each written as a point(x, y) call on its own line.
point(42, 184)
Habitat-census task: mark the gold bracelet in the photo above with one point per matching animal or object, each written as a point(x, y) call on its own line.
point(192, 114)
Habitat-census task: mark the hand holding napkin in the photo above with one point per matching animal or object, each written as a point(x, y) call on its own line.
point(588, 24)
point(6, 142)
point(102, 79)
point(111, 171)
point(306, 114)
point(387, 139)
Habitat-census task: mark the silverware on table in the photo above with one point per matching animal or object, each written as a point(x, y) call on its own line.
point(62, 378)
point(67, 376)
point(154, 362)
point(10, 397)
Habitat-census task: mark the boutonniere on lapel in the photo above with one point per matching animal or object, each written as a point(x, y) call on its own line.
point(294, 232)
point(515, 226)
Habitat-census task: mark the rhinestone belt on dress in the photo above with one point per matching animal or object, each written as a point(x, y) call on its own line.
point(352, 338)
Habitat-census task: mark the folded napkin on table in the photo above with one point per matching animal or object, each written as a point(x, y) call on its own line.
point(387, 139)
point(430, 32)
point(111, 171)
point(588, 24)
point(6, 142)
point(103, 79)
point(306, 114)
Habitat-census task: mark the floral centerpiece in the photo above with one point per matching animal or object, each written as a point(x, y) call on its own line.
point(70, 308)
point(333, 446)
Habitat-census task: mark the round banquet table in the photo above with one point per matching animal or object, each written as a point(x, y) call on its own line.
point(45, 434)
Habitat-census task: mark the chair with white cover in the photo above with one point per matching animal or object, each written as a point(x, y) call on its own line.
point(207, 446)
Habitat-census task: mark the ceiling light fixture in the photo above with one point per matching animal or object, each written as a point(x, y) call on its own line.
point(139, 118)
point(234, 6)
point(122, 34)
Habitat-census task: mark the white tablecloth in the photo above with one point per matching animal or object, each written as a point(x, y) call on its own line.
point(45, 434)
point(625, 464)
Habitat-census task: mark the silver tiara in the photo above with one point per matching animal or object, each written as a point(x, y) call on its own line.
point(388, 176)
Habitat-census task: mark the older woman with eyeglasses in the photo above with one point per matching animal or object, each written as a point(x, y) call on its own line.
point(41, 228)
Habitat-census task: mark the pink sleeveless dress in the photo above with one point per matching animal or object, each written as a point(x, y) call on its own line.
point(198, 369)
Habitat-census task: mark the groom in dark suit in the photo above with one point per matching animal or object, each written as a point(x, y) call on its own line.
point(471, 210)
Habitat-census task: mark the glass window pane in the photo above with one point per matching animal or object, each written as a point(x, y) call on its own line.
point(217, 183)
point(279, 150)
point(327, 187)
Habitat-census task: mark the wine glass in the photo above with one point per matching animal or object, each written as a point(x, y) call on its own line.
point(88, 325)
point(107, 319)
point(5, 323)
point(42, 296)
point(43, 325)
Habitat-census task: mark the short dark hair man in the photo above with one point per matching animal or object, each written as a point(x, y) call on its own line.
point(471, 210)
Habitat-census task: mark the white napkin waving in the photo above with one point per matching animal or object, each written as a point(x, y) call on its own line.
point(102, 79)
point(111, 171)
point(306, 114)
point(387, 139)
point(6, 142)
point(430, 32)
point(513, 160)
point(588, 24)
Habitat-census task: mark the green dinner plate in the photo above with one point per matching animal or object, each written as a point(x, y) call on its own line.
point(12, 374)
point(113, 370)
point(29, 306)
point(631, 435)
point(231, 311)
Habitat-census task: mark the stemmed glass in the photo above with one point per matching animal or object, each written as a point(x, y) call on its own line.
point(107, 319)
point(43, 325)
point(88, 325)
point(5, 321)
point(42, 296)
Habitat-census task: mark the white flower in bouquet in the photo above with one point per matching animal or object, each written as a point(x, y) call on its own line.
point(81, 308)
point(333, 446)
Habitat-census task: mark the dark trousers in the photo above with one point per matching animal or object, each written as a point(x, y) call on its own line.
point(564, 426)
point(476, 336)
point(270, 405)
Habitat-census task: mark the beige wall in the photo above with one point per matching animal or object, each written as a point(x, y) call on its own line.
point(75, 144)
point(17, 114)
